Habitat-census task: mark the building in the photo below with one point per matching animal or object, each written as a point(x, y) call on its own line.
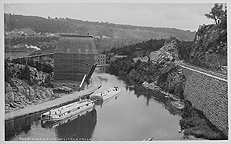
point(74, 56)
point(101, 59)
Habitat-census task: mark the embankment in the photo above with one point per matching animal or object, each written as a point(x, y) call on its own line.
point(209, 95)
point(65, 99)
point(158, 70)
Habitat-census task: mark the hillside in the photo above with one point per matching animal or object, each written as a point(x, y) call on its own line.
point(210, 46)
point(110, 30)
point(26, 85)
point(157, 70)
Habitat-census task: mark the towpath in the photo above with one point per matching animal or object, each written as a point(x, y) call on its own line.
point(218, 76)
point(54, 103)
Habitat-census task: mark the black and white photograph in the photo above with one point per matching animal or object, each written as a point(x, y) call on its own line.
point(114, 71)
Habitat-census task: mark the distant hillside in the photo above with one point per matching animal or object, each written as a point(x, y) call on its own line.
point(110, 30)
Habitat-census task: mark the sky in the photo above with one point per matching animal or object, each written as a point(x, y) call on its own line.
point(186, 16)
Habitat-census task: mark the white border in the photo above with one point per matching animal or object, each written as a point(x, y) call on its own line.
point(2, 2)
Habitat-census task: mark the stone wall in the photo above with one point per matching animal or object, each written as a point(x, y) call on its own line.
point(208, 95)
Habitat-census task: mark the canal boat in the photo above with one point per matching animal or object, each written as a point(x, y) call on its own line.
point(66, 111)
point(66, 120)
point(105, 94)
point(178, 104)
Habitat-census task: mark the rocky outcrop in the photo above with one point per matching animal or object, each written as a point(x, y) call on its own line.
point(160, 72)
point(167, 53)
point(210, 46)
point(26, 86)
point(29, 74)
point(142, 59)
point(21, 94)
point(170, 78)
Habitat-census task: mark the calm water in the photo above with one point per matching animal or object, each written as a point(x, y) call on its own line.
point(134, 115)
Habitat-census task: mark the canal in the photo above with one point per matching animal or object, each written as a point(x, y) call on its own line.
point(134, 115)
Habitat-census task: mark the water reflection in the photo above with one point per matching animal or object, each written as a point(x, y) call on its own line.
point(78, 127)
point(137, 113)
point(19, 125)
point(129, 88)
point(81, 128)
point(101, 102)
point(139, 90)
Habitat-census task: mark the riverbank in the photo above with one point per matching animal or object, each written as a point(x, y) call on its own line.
point(65, 99)
point(193, 122)
point(158, 71)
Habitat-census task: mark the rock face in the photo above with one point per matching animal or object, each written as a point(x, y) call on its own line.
point(167, 53)
point(158, 68)
point(142, 59)
point(210, 46)
point(171, 78)
point(28, 86)
point(20, 95)
point(161, 73)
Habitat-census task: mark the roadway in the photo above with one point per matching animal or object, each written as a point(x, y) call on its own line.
point(213, 74)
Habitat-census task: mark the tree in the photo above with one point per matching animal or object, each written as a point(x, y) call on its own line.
point(216, 12)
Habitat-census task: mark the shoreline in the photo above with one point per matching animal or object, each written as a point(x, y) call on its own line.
point(65, 99)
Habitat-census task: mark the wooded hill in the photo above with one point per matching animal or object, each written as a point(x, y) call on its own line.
point(115, 31)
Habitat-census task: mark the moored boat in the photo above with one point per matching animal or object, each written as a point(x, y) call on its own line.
point(66, 111)
point(106, 94)
point(178, 104)
point(66, 120)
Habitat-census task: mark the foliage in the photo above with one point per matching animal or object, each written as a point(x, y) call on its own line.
point(216, 12)
point(25, 74)
point(143, 47)
point(210, 44)
point(44, 66)
point(194, 122)
point(137, 71)
point(184, 49)
point(67, 25)
point(46, 44)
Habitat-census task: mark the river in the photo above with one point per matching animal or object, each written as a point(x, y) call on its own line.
point(134, 115)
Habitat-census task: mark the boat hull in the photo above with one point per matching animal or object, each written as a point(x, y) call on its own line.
point(103, 96)
point(67, 111)
point(53, 124)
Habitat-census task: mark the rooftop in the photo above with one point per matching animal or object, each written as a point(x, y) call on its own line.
point(73, 43)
